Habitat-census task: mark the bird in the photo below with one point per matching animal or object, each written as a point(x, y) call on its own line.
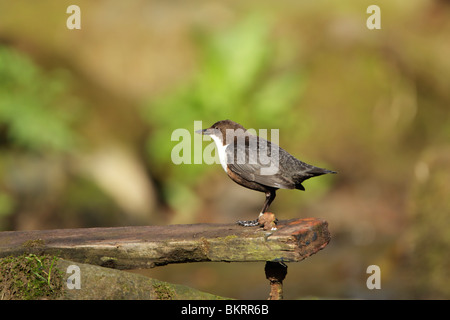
point(258, 164)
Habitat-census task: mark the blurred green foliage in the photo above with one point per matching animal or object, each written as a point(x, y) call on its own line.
point(30, 115)
point(430, 213)
point(37, 115)
point(6, 204)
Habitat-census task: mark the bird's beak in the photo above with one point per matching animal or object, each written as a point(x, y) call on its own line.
point(204, 131)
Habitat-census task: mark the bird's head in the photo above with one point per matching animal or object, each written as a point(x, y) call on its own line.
point(223, 129)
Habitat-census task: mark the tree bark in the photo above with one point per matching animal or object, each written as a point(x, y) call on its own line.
point(150, 246)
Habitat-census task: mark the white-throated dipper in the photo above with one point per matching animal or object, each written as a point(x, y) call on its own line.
point(258, 164)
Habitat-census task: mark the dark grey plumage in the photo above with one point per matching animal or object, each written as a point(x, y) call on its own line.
point(288, 172)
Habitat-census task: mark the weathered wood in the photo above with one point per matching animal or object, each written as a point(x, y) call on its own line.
point(150, 246)
point(275, 273)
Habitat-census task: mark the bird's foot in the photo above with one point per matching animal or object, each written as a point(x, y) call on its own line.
point(266, 220)
point(249, 223)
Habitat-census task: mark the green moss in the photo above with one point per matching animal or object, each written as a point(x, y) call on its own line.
point(33, 243)
point(230, 237)
point(106, 259)
point(29, 277)
point(205, 246)
point(163, 291)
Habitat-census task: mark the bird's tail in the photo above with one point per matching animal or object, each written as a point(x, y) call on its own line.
point(315, 171)
point(312, 172)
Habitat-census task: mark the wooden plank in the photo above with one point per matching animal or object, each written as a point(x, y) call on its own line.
point(150, 246)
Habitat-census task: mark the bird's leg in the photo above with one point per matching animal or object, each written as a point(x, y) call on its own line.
point(270, 196)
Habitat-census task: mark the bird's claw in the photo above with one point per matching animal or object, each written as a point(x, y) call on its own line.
point(249, 223)
point(266, 220)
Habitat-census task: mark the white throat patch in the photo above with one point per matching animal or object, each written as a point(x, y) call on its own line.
point(221, 150)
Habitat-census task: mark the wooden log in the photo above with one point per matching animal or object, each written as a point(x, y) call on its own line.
point(150, 246)
point(275, 273)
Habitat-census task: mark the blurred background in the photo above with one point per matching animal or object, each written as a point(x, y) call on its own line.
point(86, 118)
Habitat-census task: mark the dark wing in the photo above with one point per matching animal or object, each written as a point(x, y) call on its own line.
point(255, 160)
